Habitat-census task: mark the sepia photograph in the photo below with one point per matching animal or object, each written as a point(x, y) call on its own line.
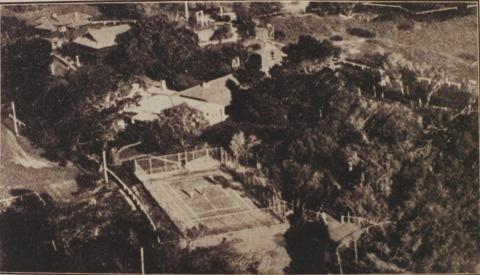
point(239, 137)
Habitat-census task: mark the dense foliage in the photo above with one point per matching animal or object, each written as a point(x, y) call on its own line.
point(324, 137)
point(343, 152)
point(175, 129)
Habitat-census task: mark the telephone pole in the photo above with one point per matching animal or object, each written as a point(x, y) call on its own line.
point(142, 260)
point(14, 117)
point(104, 157)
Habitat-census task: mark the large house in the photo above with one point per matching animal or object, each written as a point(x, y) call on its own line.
point(96, 43)
point(210, 98)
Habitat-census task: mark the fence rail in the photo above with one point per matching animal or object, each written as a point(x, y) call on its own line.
point(152, 165)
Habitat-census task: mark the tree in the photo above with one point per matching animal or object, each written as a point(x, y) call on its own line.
point(310, 248)
point(13, 29)
point(221, 33)
point(265, 8)
point(341, 152)
point(242, 147)
point(175, 129)
point(155, 47)
point(122, 11)
point(244, 22)
point(308, 49)
point(27, 233)
point(25, 73)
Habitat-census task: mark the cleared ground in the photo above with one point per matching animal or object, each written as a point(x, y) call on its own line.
point(203, 203)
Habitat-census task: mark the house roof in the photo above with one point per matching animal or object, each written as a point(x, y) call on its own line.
point(154, 100)
point(101, 38)
point(70, 20)
point(214, 91)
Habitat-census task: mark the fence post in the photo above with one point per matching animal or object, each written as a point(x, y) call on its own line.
point(339, 261)
point(15, 126)
point(150, 165)
point(142, 260)
point(135, 165)
point(341, 219)
point(356, 251)
point(221, 154)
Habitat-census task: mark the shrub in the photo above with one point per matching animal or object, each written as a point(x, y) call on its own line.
point(279, 35)
point(336, 38)
point(361, 32)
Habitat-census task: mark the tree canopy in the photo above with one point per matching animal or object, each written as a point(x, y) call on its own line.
point(156, 48)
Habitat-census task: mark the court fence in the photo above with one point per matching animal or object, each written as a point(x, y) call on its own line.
point(151, 166)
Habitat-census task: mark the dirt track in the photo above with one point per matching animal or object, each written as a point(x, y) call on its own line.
point(22, 167)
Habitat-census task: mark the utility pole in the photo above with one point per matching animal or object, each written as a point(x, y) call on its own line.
point(105, 175)
point(142, 260)
point(14, 114)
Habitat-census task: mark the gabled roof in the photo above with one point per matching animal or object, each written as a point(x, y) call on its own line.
point(214, 91)
point(101, 38)
point(155, 100)
point(70, 20)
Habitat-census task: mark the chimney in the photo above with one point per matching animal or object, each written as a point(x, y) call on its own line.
point(203, 86)
point(221, 10)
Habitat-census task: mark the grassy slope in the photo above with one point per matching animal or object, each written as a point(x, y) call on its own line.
point(48, 9)
point(450, 44)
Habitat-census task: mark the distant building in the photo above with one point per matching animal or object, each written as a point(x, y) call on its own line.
point(62, 28)
point(270, 51)
point(205, 26)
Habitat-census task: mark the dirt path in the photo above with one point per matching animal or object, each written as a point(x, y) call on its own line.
point(23, 167)
point(13, 152)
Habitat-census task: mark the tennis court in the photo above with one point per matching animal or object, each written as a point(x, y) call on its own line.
point(199, 204)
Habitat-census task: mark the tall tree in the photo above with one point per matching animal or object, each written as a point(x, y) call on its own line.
point(155, 47)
